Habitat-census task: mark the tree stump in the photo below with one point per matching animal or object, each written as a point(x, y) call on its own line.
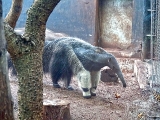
point(56, 110)
point(107, 75)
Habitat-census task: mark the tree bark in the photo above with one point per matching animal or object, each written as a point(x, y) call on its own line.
point(26, 54)
point(14, 12)
point(56, 110)
point(6, 109)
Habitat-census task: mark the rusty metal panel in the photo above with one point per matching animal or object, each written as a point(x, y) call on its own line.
point(75, 18)
point(115, 23)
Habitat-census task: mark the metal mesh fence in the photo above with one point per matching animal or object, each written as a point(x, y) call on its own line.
point(155, 45)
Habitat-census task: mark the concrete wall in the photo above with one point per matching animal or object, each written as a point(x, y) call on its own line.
point(115, 23)
point(78, 18)
point(75, 18)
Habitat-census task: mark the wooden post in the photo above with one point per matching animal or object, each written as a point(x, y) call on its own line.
point(56, 110)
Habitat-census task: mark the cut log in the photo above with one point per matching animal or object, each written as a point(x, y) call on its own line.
point(56, 110)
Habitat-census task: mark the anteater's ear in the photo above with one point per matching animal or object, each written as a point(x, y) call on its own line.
point(97, 50)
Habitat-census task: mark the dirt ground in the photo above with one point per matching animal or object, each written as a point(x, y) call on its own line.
point(104, 106)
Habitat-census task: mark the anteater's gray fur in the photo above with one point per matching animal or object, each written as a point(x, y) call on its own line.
point(67, 57)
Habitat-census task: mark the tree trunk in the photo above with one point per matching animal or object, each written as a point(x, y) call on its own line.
point(56, 110)
point(26, 54)
point(6, 108)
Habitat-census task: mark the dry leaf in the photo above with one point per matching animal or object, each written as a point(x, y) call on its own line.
point(140, 115)
point(117, 95)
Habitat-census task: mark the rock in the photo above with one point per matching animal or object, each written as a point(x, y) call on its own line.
point(107, 75)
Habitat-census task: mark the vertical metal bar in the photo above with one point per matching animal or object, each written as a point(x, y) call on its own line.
point(158, 48)
point(151, 41)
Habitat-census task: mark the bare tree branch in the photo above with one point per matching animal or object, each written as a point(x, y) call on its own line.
point(14, 13)
point(17, 44)
point(37, 17)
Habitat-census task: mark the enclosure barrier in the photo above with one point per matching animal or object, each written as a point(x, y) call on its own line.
point(155, 48)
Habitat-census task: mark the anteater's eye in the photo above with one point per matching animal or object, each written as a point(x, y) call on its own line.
point(109, 59)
